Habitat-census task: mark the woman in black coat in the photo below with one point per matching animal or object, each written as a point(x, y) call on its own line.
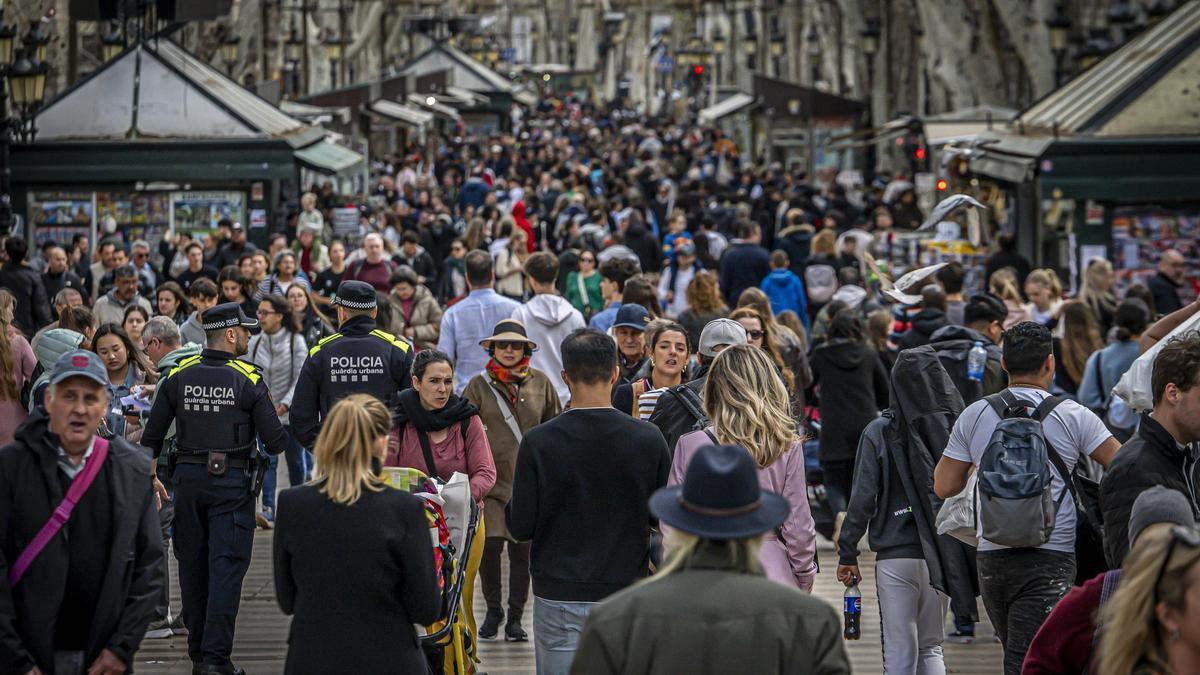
point(853, 389)
point(353, 559)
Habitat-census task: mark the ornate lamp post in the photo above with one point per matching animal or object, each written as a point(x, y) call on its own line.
point(1060, 34)
point(812, 42)
point(870, 47)
point(230, 46)
point(26, 79)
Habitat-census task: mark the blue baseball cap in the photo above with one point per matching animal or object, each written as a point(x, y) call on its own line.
point(632, 316)
point(79, 363)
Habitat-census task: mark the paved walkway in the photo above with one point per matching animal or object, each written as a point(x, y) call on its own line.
point(261, 642)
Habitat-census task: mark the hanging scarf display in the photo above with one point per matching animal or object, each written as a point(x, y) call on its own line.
point(510, 378)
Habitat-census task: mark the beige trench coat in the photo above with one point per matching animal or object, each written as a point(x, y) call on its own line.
point(537, 402)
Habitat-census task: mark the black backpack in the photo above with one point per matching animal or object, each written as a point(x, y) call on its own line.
point(682, 413)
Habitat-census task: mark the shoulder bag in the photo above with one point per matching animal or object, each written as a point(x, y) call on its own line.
point(79, 487)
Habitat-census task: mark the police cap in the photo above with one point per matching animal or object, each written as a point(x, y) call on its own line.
point(226, 315)
point(355, 295)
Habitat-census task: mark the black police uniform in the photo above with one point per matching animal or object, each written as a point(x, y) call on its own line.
point(219, 405)
point(358, 359)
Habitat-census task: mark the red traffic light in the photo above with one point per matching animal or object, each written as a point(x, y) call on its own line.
point(942, 185)
point(697, 70)
point(919, 153)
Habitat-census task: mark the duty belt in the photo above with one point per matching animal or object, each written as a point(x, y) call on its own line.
point(244, 463)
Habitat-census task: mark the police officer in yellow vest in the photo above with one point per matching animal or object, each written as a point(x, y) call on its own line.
point(359, 358)
point(219, 404)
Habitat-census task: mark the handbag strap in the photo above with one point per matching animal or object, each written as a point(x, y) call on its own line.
point(79, 487)
point(507, 413)
point(587, 306)
point(428, 452)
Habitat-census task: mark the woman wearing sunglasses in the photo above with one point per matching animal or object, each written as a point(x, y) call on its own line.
point(583, 286)
point(512, 398)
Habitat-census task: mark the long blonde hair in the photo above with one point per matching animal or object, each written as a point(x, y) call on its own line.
point(1100, 302)
point(1003, 284)
point(1048, 279)
point(682, 548)
point(746, 400)
point(771, 342)
point(1138, 642)
point(346, 447)
point(825, 242)
point(9, 390)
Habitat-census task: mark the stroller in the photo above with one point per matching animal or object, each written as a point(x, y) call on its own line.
point(448, 642)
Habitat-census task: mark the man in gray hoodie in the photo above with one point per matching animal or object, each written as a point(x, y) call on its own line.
point(548, 319)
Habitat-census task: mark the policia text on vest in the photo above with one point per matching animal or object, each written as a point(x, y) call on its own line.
point(359, 359)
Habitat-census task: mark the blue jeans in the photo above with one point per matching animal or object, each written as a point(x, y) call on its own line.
point(299, 465)
point(556, 630)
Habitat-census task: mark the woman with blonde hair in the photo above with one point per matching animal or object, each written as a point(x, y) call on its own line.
point(748, 406)
point(354, 604)
point(1003, 285)
point(760, 333)
point(1096, 292)
point(1156, 607)
point(17, 363)
point(791, 344)
point(1044, 291)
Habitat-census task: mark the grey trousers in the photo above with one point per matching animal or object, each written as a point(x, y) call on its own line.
point(556, 630)
point(912, 617)
point(1020, 586)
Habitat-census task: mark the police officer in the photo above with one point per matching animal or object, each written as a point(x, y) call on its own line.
point(219, 404)
point(358, 359)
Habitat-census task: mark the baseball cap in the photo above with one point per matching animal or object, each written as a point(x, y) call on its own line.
point(984, 306)
point(355, 295)
point(79, 363)
point(721, 332)
point(632, 316)
point(226, 315)
point(236, 225)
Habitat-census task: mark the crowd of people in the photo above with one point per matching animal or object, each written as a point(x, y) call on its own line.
point(661, 368)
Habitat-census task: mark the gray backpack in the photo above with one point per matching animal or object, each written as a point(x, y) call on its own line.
point(1016, 508)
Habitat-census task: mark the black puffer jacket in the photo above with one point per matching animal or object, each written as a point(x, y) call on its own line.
point(642, 242)
point(853, 389)
point(1151, 457)
point(796, 241)
point(924, 324)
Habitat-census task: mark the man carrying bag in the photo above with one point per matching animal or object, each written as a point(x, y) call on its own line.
point(80, 547)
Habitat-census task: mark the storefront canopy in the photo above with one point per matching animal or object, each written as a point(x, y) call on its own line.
point(328, 157)
point(408, 115)
point(734, 104)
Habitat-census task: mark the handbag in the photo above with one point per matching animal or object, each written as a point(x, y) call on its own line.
point(957, 515)
point(507, 413)
point(62, 513)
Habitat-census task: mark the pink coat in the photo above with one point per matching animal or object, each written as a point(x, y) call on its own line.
point(450, 455)
point(791, 561)
point(12, 413)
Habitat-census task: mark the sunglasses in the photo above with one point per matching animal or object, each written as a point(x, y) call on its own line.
point(505, 344)
point(1190, 536)
point(755, 334)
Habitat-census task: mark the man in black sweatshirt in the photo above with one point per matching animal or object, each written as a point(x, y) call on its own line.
point(580, 494)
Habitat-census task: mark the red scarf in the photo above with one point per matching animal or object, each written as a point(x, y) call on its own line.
point(509, 378)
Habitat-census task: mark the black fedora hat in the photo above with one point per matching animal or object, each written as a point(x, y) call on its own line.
point(720, 497)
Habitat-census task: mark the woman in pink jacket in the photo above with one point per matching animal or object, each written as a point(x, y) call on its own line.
point(746, 400)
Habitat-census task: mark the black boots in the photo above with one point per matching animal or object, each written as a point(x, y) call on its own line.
point(491, 624)
point(512, 630)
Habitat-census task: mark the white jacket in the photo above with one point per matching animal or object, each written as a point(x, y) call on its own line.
point(548, 320)
point(281, 356)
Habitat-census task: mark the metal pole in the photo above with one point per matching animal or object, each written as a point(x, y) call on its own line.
point(5, 170)
point(265, 59)
point(304, 38)
point(810, 95)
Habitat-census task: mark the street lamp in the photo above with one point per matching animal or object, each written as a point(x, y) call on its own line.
point(229, 51)
point(1060, 33)
point(111, 44)
point(36, 40)
point(293, 49)
point(870, 47)
point(718, 43)
point(812, 42)
point(8, 34)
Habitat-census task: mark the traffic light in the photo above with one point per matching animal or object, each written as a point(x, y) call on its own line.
point(698, 71)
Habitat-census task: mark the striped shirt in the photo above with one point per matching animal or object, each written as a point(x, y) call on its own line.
point(647, 403)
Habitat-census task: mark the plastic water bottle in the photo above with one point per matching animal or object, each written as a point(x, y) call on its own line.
point(976, 360)
point(852, 610)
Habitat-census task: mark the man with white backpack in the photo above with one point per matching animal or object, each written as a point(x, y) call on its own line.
point(1023, 443)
